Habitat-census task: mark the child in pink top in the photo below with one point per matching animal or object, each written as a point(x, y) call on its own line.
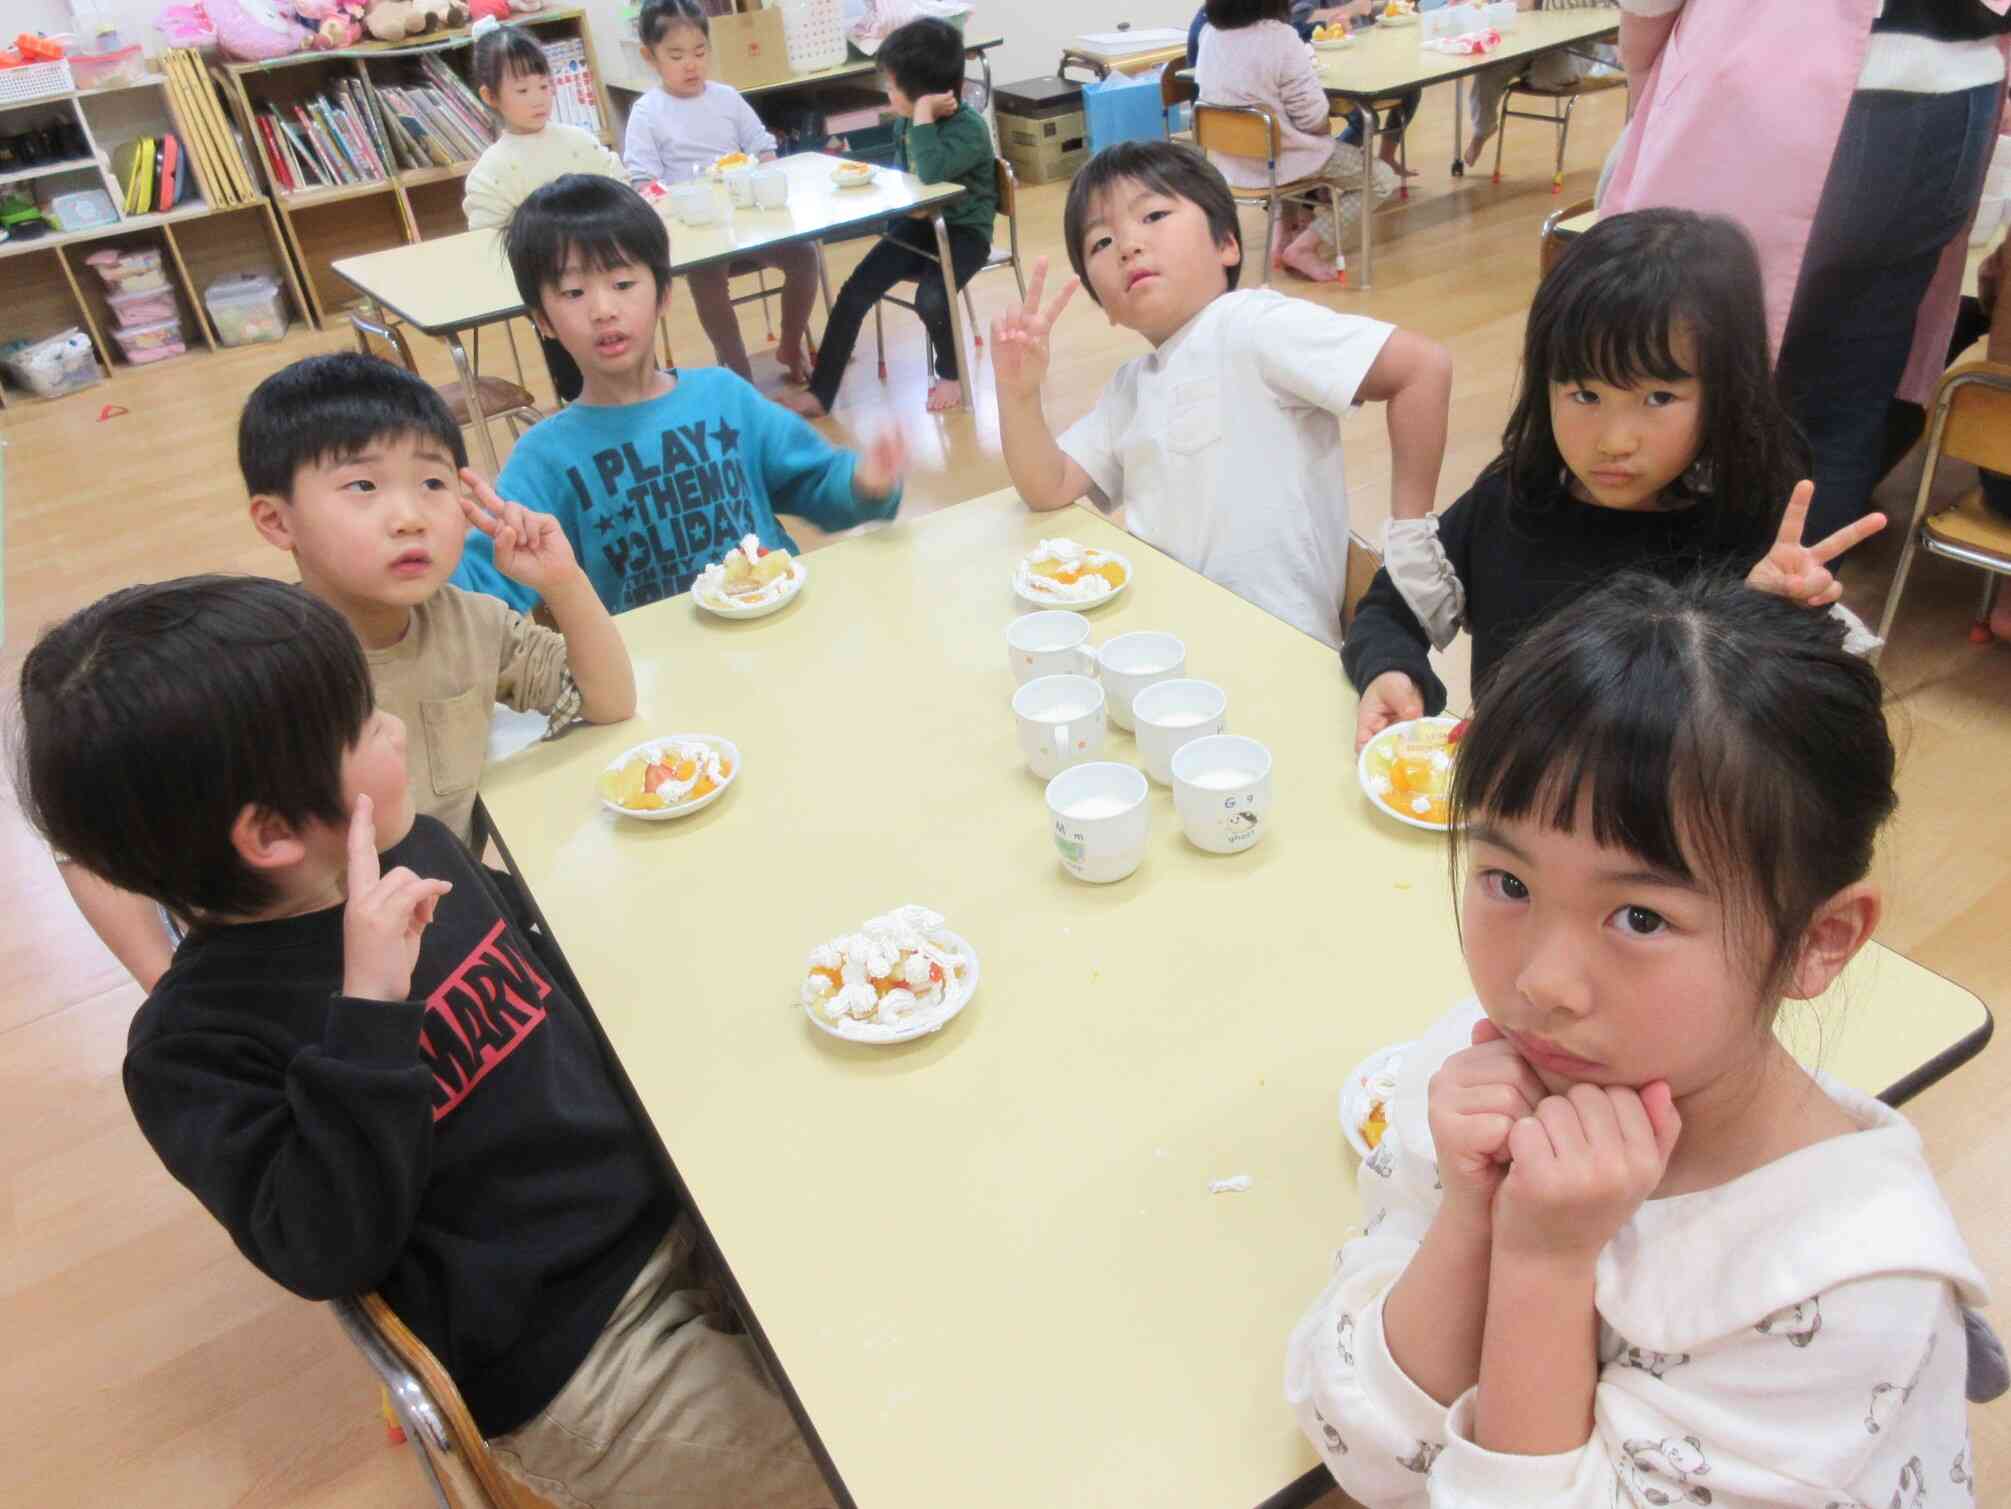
point(1250, 55)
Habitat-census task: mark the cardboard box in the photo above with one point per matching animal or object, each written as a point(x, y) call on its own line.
point(748, 50)
point(1046, 150)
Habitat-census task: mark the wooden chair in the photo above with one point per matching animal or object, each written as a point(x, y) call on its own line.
point(1006, 183)
point(1175, 91)
point(1249, 131)
point(1969, 420)
point(1563, 99)
point(1555, 239)
point(456, 1458)
point(501, 398)
point(1364, 561)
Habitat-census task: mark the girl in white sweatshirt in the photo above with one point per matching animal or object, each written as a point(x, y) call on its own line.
point(1619, 1248)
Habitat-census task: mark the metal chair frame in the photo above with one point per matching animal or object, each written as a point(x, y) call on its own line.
point(1274, 194)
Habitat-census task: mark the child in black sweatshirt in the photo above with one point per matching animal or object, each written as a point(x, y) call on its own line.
point(358, 1059)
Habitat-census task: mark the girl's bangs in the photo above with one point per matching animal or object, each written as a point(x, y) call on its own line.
point(1614, 329)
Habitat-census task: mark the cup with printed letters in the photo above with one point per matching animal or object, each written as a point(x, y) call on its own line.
point(1222, 791)
point(1100, 817)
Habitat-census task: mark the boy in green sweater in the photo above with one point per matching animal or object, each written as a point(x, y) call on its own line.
point(942, 140)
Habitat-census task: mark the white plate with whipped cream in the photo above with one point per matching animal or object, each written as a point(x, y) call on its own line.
point(1367, 1098)
point(901, 976)
point(1065, 574)
point(673, 776)
point(750, 581)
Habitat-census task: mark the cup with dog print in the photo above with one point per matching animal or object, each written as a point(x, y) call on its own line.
point(1222, 791)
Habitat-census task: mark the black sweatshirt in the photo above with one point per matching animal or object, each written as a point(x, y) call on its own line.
point(1520, 562)
point(466, 1153)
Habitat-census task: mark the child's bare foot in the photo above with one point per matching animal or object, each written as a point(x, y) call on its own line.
point(1477, 146)
point(947, 394)
point(803, 402)
point(795, 369)
point(1389, 157)
point(1306, 257)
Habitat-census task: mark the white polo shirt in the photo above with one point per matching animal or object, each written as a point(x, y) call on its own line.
point(1224, 448)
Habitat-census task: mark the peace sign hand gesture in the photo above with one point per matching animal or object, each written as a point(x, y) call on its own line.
point(1799, 572)
point(1020, 337)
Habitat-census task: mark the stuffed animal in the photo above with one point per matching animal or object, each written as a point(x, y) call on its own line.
point(497, 9)
point(255, 30)
point(332, 23)
point(187, 26)
point(396, 20)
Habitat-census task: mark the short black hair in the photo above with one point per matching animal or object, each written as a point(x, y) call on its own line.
point(658, 18)
point(506, 51)
point(926, 56)
point(332, 407)
point(1163, 167)
point(1610, 311)
point(603, 221)
point(151, 719)
point(1232, 15)
point(1722, 734)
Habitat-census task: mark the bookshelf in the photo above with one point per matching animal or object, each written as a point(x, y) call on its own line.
point(365, 148)
point(224, 227)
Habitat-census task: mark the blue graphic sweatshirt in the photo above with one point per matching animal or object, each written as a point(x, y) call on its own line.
point(652, 493)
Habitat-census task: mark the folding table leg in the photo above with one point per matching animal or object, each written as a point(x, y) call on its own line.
point(472, 392)
point(949, 272)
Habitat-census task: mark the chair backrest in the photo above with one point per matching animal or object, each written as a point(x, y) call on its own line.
point(429, 1405)
point(1977, 427)
point(1238, 130)
point(1553, 243)
point(1007, 183)
point(1174, 90)
point(1364, 561)
point(386, 341)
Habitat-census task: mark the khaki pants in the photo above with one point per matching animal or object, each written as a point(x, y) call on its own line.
point(668, 1409)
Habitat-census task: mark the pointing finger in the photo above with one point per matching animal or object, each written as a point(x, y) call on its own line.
point(362, 846)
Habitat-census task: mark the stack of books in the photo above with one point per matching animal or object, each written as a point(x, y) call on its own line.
point(435, 120)
point(330, 140)
point(574, 102)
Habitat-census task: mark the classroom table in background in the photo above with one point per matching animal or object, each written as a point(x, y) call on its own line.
point(1102, 62)
point(986, 1265)
point(635, 77)
point(1387, 60)
point(462, 282)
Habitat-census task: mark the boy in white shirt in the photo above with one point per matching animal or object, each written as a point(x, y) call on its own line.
point(1223, 444)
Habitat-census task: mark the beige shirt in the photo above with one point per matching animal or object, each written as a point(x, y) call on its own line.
point(463, 653)
point(505, 175)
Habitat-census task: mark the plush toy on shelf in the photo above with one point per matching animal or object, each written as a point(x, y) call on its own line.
point(253, 31)
point(332, 23)
point(397, 20)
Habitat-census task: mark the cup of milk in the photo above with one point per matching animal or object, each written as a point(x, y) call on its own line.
point(1222, 791)
point(1132, 662)
point(1060, 722)
point(1171, 714)
point(1100, 819)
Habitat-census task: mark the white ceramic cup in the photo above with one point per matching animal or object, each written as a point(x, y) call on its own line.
point(1100, 817)
point(740, 186)
point(693, 203)
point(1052, 643)
point(1171, 714)
point(1131, 662)
point(771, 188)
point(1222, 791)
point(1060, 722)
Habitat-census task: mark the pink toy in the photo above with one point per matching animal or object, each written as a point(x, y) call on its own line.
point(187, 26)
point(255, 30)
point(499, 9)
point(334, 23)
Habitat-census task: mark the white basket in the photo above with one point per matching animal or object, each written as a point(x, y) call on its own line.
point(813, 32)
point(35, 81)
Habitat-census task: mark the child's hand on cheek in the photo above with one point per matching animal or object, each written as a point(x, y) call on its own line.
point(1475, 1100)
point(384, 917)
point(530, 547)
point(882, 464)
point(1579, 1168)
point(1801, 572)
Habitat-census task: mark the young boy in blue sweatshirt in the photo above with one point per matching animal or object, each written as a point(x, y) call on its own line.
point(653, 474)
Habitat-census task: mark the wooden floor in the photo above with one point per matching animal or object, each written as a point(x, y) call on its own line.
point(142, 1362)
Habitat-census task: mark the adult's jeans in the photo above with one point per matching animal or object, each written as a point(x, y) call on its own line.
point(1905, 179)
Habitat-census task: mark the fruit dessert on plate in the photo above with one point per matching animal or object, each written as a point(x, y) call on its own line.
point(904, 970)
point(667, 774)
point(1336, 35)
point(850, 173)
point(729, 162)
point(1408, 769)
point(1061, 571)
point(749, 575)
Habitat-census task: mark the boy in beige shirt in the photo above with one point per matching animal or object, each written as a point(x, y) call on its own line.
point(352, 465)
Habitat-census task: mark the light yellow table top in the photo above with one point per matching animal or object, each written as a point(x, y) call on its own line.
point(1388, 59)
point(1123, 62)
point(462, 281)
point(988, 1261)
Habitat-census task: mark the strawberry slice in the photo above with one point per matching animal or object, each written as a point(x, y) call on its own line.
point(760, 551)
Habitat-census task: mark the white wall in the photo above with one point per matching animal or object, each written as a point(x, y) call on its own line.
point(1035, 30)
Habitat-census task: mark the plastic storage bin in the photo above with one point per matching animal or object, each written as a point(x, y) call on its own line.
point(246, 308)
point(135, 269)
point(104, 70)
point(151, 343)
point(61, 364)
point(147, 307)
